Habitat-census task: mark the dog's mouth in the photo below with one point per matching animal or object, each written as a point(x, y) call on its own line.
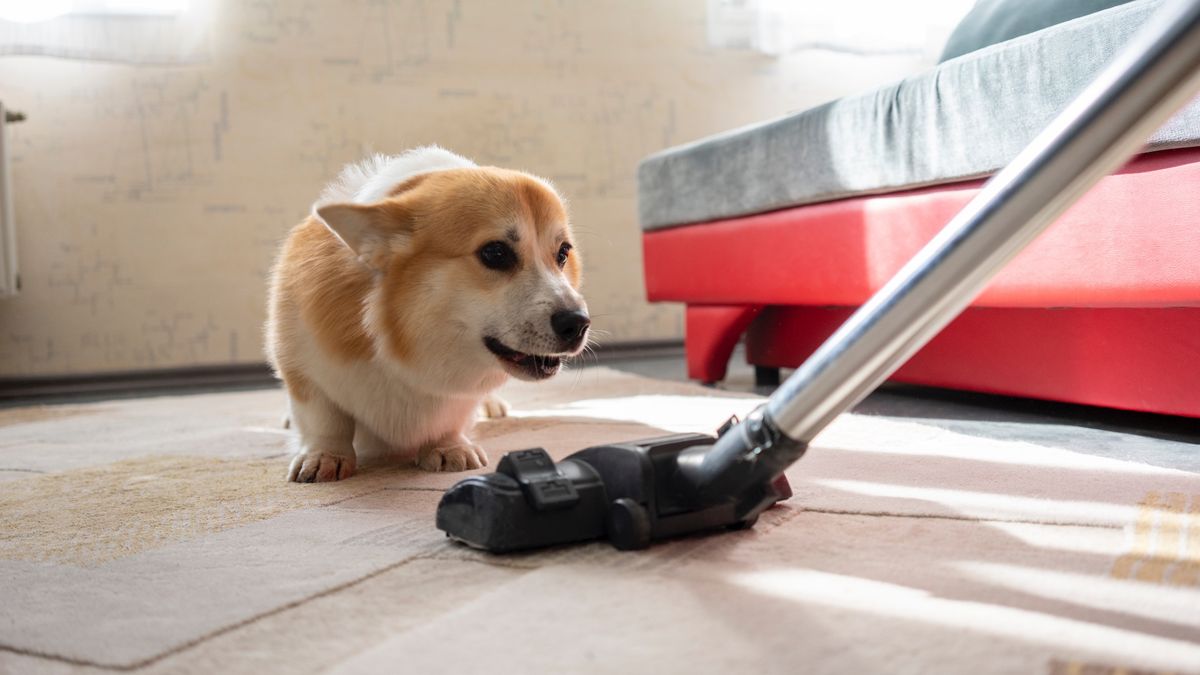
point(525, 366)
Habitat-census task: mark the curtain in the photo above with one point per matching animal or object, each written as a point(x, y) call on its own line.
point(778, 27)
point(168, 32)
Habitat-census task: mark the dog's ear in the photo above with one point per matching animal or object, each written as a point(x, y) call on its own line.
point(372, 231)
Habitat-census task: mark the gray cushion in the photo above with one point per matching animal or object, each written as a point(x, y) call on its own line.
point(964, 119)
point(992, 21)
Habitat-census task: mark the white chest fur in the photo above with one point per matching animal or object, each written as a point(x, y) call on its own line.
point(378, 397)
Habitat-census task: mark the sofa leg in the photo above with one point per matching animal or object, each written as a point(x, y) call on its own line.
point(712, 332)
point(766, 376)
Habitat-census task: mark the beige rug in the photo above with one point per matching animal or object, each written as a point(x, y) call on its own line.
point(157, 535)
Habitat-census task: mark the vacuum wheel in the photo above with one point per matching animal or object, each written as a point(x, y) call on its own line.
point(744, 524)
point(628, 525)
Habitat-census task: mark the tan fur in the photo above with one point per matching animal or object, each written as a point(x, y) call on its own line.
point(387, 312)
point(472, 205)
point(574, 269)
point(324, 280)
point(297, 385)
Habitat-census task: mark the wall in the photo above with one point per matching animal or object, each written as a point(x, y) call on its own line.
point(150, 199)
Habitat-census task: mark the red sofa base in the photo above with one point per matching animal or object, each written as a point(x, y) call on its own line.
point(1133, 241)
point(1123, 262)
point(711, 334)
point(1134, 359)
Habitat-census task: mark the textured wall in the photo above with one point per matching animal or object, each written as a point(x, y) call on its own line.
point(150, 199)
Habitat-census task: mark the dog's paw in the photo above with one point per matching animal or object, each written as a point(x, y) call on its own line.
point(493, 407)
point(458, 457)
point(320, 467)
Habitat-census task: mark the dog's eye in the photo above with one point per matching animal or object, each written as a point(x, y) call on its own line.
point(563, 252)
point(498, 255)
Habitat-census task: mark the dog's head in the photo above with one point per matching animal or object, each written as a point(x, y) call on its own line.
point(476, 272)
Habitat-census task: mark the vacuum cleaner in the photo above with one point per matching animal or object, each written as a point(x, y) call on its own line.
point(637, 492)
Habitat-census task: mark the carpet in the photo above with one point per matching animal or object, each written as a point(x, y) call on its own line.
point(158, 536)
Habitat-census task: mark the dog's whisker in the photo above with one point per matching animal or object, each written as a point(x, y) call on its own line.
point(589, 351)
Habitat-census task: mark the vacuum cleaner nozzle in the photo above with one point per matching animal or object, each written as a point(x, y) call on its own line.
point(629, 493)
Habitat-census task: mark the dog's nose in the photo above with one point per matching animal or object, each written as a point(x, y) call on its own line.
point(570, 324)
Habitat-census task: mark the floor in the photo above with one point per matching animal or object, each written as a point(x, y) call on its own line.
point(1172, 442)
point(929, 532)
point(975, 413)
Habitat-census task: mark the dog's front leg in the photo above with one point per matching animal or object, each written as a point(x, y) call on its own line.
point(326, 450)
point(493, 407)
point(455, 452)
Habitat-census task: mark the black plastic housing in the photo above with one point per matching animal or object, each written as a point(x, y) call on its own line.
point(630, 493)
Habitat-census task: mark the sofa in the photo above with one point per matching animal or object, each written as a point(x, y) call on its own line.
point(774, 233)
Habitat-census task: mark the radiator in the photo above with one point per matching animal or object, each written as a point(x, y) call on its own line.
point(9, 281)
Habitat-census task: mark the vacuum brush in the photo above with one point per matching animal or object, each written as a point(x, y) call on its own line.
point(630, 493)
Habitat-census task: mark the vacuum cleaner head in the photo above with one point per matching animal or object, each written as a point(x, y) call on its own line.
point(630, 493)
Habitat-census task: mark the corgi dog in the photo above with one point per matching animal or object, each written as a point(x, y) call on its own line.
point(418, 285)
